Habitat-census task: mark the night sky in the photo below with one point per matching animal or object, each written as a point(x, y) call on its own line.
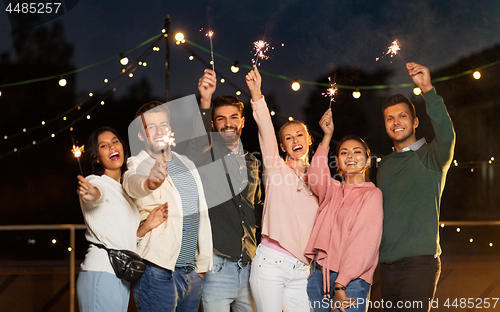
point(311, 39)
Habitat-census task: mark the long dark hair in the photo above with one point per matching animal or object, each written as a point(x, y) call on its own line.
point(95, 167)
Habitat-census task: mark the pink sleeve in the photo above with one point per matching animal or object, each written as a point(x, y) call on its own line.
point(364, 239)
point(318, 175)
point(267, 137)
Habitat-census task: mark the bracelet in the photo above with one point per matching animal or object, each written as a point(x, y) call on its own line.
point(339, 288)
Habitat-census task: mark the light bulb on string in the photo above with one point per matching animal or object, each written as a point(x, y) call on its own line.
point(235, 67)
point(290, 118)
point(296, 85)
point(222, 80)
point(191, 57)
point(62, 82)
point(238, 92)
point(417, 91)
point(123, 59)
point(356, 94)
point(476, 75)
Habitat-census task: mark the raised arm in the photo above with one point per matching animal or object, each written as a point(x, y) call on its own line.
point(319, 177)
point(267, 137)
point(443, 144)
point(198, 149)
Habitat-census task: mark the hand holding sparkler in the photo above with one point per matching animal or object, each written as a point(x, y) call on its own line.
point(207, 85)
point(254, 81)
point(421, 76)
point(157, 175)
point(86, 190)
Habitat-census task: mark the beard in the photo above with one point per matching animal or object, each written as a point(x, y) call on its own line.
point(229, 138)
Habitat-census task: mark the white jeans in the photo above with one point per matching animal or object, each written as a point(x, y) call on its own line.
point(278, 282)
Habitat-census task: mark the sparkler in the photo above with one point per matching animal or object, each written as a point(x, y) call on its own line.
point(77, 152)
point(210, 34)
point(392, 50)
point(168, 140)
point(261, 47)
point(332, 91)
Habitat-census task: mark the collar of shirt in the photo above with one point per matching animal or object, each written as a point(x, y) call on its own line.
point(414, 147)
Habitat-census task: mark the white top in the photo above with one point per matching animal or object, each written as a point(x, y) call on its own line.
point(162, 244)
point(112, 220)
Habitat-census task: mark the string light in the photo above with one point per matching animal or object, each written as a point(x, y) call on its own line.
point(62, 82)
point(417, 91)
point(476, 75)
point(24, 129)
point(54, 241)
point(144, 64)
point(222, 80)
point(491, 244)
point(296, 85)
point(290, 118)
point(88, 116)
point(91, 94)
point(105, 80)
point(191, 57)
point(235, 67)
point(458, 230)
point(273, 113)
point(238, 92)
point(131, 75)
point(379, 159)
point(471, 240)
point(356, 94)
point(102, 102)
point(43, 123)
point(123, 59)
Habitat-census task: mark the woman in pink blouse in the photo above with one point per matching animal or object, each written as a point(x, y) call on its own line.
point(344, 242)
point(279, 272)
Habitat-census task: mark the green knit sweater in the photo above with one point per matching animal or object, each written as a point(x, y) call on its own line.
point(412, 183)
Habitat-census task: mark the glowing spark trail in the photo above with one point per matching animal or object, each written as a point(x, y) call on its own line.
point(168, 139)
point(332, 91)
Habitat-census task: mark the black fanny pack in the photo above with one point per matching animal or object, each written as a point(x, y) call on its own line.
point(127, 265)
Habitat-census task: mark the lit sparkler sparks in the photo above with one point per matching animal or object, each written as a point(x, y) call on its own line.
point(261, 47)
point(168, 139)
point(77, 152)
point(392, 50)
point(210, 34)
point(332, 91)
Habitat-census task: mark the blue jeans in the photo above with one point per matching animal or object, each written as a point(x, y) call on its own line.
point(164, 290)
point(227, 287)
point(357, 288)
point(102, 292)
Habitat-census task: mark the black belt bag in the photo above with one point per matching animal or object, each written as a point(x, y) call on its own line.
point(127, 265)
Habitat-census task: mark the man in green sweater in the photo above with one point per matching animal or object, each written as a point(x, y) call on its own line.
point(412, 180)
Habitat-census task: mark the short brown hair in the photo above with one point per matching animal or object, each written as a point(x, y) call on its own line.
point(227, 100)
point(398, 99)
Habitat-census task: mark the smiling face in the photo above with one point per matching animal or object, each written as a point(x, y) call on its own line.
point(227, 120)
point(110, 152)
point(295, 141)
point(352, 158)
point(399, 124)
point(156, 125)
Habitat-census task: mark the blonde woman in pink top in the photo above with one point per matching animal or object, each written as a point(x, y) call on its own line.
point(344, 242)
point(279, 271)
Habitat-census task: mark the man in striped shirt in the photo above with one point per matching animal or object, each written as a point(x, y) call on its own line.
point(178, 253)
